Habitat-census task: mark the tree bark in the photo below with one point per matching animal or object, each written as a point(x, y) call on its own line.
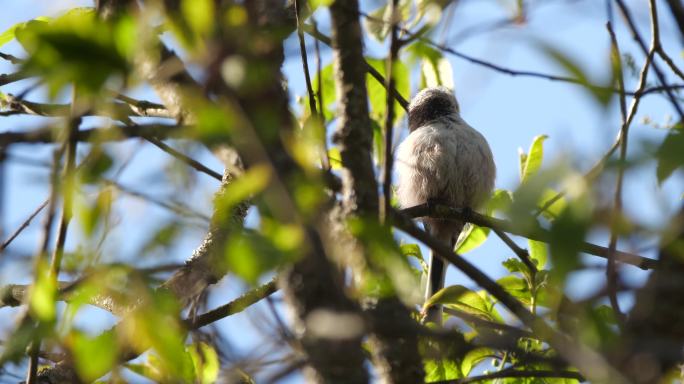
point(395, 356)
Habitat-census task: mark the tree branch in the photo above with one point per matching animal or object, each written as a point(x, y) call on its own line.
point(586, 360)
point(514, 372)
point(113, 133)
point(12, 105)
point(395, 357)
point(235, 306)
point(536, 233)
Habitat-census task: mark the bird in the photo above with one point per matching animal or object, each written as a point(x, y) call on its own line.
point(442, 160)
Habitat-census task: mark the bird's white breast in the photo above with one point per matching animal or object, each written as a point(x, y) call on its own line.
point(447, 160)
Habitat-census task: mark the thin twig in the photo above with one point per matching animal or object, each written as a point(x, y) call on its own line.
point(325, 161)
point(522, 254)
point(389, 111)
point(15, 105)
point(512, 72)
point(184, 158)
point(369, 68)
point(23, 225)
point(321, 104)
point(305, 60)
point(11, 58)
point(648, 52)
point(235, 306)
point(596, 169)
point(174, 207)
point(479, 321)
point(612, 277)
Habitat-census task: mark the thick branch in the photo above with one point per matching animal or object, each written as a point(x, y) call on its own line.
point(395, 357)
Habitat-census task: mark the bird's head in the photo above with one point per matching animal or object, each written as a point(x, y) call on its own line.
point(431, 104)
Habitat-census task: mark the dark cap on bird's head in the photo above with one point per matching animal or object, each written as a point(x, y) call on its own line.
point(430, 104)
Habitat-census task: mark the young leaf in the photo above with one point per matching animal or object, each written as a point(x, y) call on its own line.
point(473, 358)
point(534, 157)
point(205, 361)
point(538, 253)
point(471, 238)
point(438, 72)
point(10, 33)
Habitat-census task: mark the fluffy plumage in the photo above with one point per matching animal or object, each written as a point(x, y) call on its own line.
point(442, 159)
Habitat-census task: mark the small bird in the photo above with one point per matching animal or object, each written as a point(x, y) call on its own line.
point(445, 160)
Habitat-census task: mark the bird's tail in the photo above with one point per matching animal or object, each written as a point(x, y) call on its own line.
point(447, 233)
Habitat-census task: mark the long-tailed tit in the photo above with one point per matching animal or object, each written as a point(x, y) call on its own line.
point(446, 160)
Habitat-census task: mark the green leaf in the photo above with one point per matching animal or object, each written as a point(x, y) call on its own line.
point(516, 287)
point(606, 314)
point(205, 361)
point(392, 273)
point(473, 237)
point(199, 14)
point(146, 371)
point(514, 265)
point(437, 72)
point(335, 158)
point(500, 201)
point(249, 255)
point(602, 93)
point(376, 23)
point(90, 215)
point(413, 250)
point(538, 253)
point(447, 295)
point(10, 33)
point(440, 370)
point(154, 323)
point(473, 358)
point(75, 48)
point(376, 91)
point(314, 4)
point(93, 355)
point(534, 157)
point(669, 154)
point(327, 86)
point(464, 299)
point(43, 295)
point(566, 237)
point(553, 210)
point(250, 183)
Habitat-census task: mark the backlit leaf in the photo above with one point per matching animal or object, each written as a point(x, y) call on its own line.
point(472, 237)
point(534, 157)
point(93, 355)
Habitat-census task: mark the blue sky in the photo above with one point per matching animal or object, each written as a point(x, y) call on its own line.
point(509, 111)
